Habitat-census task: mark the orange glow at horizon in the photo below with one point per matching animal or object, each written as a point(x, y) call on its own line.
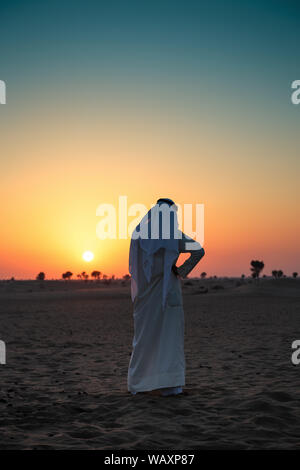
point(49, 198)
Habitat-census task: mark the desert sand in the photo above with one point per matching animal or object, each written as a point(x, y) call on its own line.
point(68, 347)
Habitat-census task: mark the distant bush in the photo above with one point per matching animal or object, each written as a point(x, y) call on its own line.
point(256, 268)
point(67, 275)
point(96, 274)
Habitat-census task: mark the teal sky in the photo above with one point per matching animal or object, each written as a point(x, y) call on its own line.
point(226, 60)
point(223, 48)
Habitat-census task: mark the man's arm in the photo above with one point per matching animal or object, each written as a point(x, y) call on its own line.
point(196, 251)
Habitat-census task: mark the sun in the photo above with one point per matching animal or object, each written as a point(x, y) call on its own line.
point(88, 256)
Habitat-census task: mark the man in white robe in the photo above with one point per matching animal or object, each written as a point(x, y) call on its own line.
point(157, 360)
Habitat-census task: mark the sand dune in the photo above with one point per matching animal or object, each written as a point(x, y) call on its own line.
point(68, 347)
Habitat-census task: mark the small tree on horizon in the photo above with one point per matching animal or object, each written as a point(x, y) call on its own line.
point(256, 268)
point(275, 273)
point(203, 275)
point(295, 275)
point(96, 274)
point(41, 276)
point(279, 273)
point(67, 275)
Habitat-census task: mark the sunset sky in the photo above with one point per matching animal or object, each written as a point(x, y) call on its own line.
point(180, 99)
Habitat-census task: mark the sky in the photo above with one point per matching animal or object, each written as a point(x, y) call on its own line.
point(180, 99)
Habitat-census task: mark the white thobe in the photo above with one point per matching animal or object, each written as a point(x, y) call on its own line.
point(157, 359)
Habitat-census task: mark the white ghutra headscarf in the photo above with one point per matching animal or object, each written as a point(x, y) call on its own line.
point(158, 229)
